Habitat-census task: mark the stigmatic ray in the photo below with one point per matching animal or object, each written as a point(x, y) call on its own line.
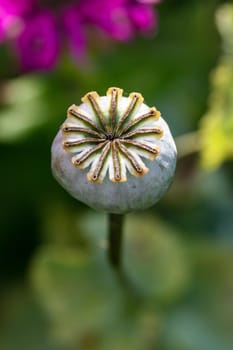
point(111, 135)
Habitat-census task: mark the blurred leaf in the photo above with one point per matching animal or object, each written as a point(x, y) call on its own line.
point(138, 331)
point(214, 271)
point(33, 102)
point(24, 110)
point(23, 322)
point(153, 255)
point(155, 258)
point(204, 321)
point(217, 124)
point(79, 293)
point(188, 329)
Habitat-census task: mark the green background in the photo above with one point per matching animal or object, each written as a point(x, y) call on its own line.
point(57, 291)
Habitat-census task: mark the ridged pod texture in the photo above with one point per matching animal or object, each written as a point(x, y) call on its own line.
point(114, 153)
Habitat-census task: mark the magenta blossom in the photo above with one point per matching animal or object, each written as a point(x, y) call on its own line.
point(38, 43)
point(37, 30)
point(152, 2)
point(110, 17)
point(74, 30)
point(142, 16)
point(16, 7)
point(11, 16)
point(1, 32)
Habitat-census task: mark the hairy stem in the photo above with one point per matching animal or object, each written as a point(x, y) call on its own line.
point(115, 236)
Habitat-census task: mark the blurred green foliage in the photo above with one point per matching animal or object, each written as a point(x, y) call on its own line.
point(217, 124)
point(57, 289)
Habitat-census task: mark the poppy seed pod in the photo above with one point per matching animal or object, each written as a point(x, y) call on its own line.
point(114, 153)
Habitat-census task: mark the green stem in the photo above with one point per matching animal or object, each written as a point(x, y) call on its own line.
point(188, 144)
point(115, 240)
point(115, 236)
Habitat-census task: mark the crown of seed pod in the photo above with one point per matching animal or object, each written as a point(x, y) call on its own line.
point(114, 153)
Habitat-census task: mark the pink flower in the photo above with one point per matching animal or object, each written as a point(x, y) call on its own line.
point(38, 30)
point(142, 16)
point(16, 7)
point(111, 17)
point(38, 44)
point(152, 2)
point(74, 30)
point(11, 13)
point(2, 32)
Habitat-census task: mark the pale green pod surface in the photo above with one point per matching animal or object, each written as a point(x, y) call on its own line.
point(114, 153)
